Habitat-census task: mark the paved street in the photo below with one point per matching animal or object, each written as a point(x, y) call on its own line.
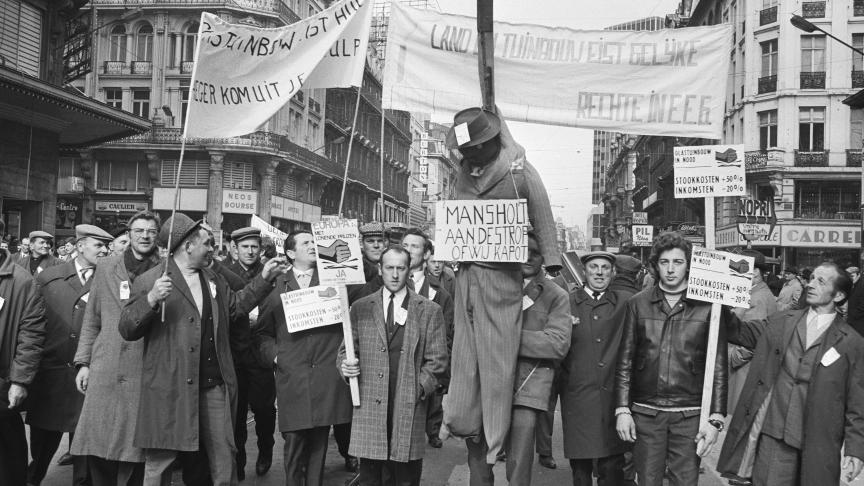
point(442, 467)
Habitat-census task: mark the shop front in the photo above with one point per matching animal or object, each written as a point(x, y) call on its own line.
point(110, 214)
point(69, 215)
point(237, 209)
point(730, 239)
point(192, 203)
point(289, 215)
point(808, 246)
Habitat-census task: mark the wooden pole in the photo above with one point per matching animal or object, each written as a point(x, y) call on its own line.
point(348, 336)
point(714, 328)
point(350, 145)
point(486, 53)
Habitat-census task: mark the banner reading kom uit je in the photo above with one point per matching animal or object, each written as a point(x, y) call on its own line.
point(668, 82)
point(243, 75)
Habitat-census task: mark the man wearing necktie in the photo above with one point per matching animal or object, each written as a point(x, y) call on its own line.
point(401, 357)
point(803, 400)
point(310, 394)
point(54, 404)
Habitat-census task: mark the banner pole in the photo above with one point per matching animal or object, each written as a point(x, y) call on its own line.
point(714, 327)
point(350, 144)
point(381, 175)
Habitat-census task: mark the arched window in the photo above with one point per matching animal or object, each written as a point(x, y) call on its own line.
point(117, 48)
point(144, 43)
point(183, 46)
point(190, 37)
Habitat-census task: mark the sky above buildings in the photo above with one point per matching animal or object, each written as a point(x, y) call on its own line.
point(562, 155)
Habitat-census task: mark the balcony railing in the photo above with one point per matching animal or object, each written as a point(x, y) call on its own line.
point(186, 67)
point(755, 160)
point(268, 6)
point(813, 10)
point(811, 159)
point(142, 67)
point(768, 15)
point(115, 67)
point(858, 8)
point(813, 80)
point(768, 84)
point(858, 79)
point(853, 158)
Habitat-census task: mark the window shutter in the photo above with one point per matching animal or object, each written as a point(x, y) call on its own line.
point(193, 173)
point(21, 36)
point(237, 175)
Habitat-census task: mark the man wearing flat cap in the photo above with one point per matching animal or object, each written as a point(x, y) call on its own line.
point(488, 301)
point(40, 256)
point(188, 383)
point(54, 404)
point(791, 291)
point(626, 271)
point(255, 380)
point(588, 376)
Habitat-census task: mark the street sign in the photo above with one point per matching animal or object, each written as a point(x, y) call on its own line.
point(640, 217)
point(709, 171)
point(720, 277)
point(643, 235)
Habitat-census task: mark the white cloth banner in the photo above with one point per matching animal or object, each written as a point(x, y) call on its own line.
point(667, 82)
point(243, 75)
point(274, 234)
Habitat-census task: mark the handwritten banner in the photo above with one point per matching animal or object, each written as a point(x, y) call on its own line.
point(482, 231)
point(274, 234)
point(652, 83)
point(245, 74)
point(709, 171)
point(720, 277)
point(338, 245)
point(311, 307)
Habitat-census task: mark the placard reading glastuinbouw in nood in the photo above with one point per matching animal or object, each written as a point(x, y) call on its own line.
point(311, 307)
point(720, 277)
point(709, 171)
point(482, 231)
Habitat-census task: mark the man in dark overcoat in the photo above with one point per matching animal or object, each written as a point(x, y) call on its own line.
point(54, 404)
point(588, 376)
point(310, 394)
point(188, 385)
point(401, 356)
point(803, 400)
point(40, 256)
point(22, 334)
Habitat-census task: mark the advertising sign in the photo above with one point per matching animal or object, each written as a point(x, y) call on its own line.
point(337, 242)
point(720, 277)
point(709, 171)
point(482, 231)
point(640, 217)
point(643, 235)
point(239, 202)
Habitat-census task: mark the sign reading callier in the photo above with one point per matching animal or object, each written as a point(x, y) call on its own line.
point(482, 231)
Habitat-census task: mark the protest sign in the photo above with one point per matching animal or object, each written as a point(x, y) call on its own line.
point(311, 307)
point(643, 235)
point(709, 171)
point(245, 74)
point(494, 230)
point(274, 234)
point(652, 83)
point(337, 242)
point(720, 277)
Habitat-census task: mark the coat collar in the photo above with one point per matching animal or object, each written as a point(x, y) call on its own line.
point(7, 267)
point(581, 295)
point(289, 281)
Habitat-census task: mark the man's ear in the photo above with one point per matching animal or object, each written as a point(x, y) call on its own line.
point(839, 296)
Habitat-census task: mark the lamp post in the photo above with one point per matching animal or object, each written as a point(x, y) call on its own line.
point(805, 25)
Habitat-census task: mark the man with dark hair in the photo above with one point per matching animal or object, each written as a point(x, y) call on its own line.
point(660, 372)
point(255, 380)
point(803, 401)
point(401, 356)
point(791, 291)
point(22, 334)
point(109, 368)
point(310, 393)
point(40, 256)
point(188, 392)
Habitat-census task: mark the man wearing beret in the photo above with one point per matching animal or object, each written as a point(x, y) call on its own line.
point(256, 384)
point(54, 404)
point(488, 306)
point(121, 240)
point(188, 384)
point(40, 256)
point(22, 333)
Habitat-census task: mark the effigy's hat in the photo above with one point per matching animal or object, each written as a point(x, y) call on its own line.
point(473, 126)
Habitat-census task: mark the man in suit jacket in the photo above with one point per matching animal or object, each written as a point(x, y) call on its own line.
point(109, 367)
point(54, 403)
point(310, 394)
point(40, 256)
point(401, 356)
point(804, 396)
point(188, 385)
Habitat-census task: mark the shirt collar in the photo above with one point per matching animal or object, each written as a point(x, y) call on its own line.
point(308, 273)
point(399, 296)
point(822, 320)
point(418, 277)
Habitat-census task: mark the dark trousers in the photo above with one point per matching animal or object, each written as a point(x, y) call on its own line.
point(543, 435)
point(610, 471)
point(305, 451)
point(479, 471)
point(256, 389)
point(434, 414)
point(390, 473)
point(520, 445)
point(342, 434)
point(666, 440)
point(43, 446)
point(13, 448)
point(104, 472)
point(776, 464)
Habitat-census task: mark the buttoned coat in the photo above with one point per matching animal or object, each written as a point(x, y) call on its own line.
point(53, 402)
point(546, 329)
point(588, 376)
point(168, 411)
point(309, 392)
point(834, 409)
point(106, 427)
point(422, 364)
point(48, 260)
point(22, 328)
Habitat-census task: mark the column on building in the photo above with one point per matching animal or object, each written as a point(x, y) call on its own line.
point(214, 189)
point(266, 176)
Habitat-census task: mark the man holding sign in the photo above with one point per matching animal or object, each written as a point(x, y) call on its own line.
point(806, 381)
point(660, 372)
point(310, 394)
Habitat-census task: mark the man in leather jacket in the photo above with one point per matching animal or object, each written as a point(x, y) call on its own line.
point(660, 372)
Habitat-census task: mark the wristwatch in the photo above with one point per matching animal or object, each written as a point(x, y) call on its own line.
point(717, 424)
